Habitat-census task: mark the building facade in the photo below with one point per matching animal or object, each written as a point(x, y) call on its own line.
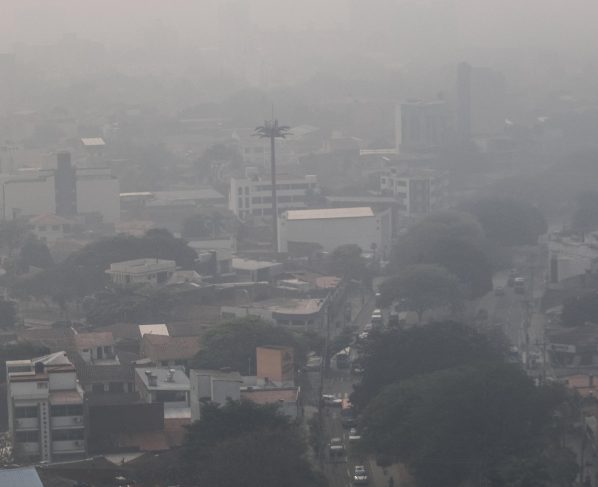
point(421, 126)
point(253, 196)
point(332, 227)
point(418, 192)
point(45, 408)
point(142, 271)
point(215, 386)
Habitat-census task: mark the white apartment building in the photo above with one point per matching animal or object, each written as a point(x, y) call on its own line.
point(45, 408)
point(253, 196)
point(215, 386)
point(142, 271)
point(418, 191)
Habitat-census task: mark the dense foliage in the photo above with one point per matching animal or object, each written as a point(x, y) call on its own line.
point(423, 287)
point(34, 253)
point(508, 221)
point(580, 310)
point(452, 240)
point(242, 443)
point(348, 261)
point(232, 344)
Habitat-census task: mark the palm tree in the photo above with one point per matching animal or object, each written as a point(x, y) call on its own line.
point(273, 131)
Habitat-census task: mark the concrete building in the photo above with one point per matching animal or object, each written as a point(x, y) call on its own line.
point(286, 398)
point(45, 408)
point(299, 314)
point(332, 227)
point(161, 385)
point(256, 270)
point(216, 386)
point(50, 228)
point(418, 191)
point(421, 126)
point(168, 351)
point(64, 191)
point(252, 196)
point(142, 271)
point(276, 365)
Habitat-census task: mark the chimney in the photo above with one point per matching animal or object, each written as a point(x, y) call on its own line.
point(171, 375)
point(152, 380)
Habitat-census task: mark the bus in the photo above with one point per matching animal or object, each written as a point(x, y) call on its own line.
point(347, 417)
point(519, 285)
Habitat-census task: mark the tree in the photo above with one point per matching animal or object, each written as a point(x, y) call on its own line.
point(424, 287)
point(508, 221)
point(452, 240)
point(8, 313)
point(233, 344)
point(397, 355)
point(243, 443)
point(465, 422)
point(35, 253)
point(271, 130)
point(209, 223)
point(347, 261)
point(13, 233)
point(585, 218)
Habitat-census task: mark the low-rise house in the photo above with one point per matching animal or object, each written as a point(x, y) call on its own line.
point(45, 408)
point(142, 271)
point(169, 351)
point(216, 386)
point(50, 228)
point(170, 387)
point(256, 270)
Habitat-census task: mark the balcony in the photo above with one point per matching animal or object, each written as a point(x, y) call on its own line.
point(26, 424)
point(66, 421)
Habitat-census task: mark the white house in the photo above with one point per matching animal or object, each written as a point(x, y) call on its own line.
point(142, 271)
point(215, 386)
point(45, 408)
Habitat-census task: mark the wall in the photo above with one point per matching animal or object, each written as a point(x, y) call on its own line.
point(223, 389)
point(331, 233)
point(62, 381)
point(18, 195)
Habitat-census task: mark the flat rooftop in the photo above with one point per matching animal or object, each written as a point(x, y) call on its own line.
point(179, 381)
point(142, 265)
point(330, 213)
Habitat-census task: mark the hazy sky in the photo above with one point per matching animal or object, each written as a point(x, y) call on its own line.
point(485, 22)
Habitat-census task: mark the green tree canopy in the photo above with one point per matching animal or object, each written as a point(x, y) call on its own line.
point(461, 424)
point(233, 344)
point(347, 261)
point(8, 313)
point(580, 310)
point(585, 217)
point(452, 240)
point(209, 223)
point(508, 221)
point(35, 253)
point(424, 287)
point(242, 443)
point(397, 355)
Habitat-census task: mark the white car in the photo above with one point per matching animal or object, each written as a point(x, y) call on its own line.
point(354, 435)
point(336, 447)
point(360, 476)
point(331, 400)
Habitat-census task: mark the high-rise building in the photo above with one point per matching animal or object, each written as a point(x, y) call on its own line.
point(421, 126)
point(45, 402)
point(65, 186)
point(481, 101)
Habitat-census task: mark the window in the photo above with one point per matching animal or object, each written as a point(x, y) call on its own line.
point(42, 385)
point(267, 199)
point(284, 199)
point(402, 183)
point(27, 436)
point(65, 435)
point(240, 191)
point(171, 396)
point(55, 228)
point(67, 410)
point(256, 200)
point(26, 412)
point(240, 202)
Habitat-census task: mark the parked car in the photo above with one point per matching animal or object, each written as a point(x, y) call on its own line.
point(332, 400)
point(377, 317)
point(354, 435)
point(336, 447)
point(360, 476)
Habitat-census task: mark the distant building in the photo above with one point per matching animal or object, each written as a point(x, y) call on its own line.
point(253, 196)
point(418, 191)
point(286, 398)
point(50, 228)
point(142, 271)
point(66, 191)
point(332, 227)
point(45, 408)
point(216, 386)
point(421, 126)
point(167, 351)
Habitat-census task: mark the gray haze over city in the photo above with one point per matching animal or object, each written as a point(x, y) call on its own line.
point(317, 243)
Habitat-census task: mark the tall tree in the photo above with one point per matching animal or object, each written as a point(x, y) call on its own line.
point(272, 130)
point(347, 261)
point(424, 287)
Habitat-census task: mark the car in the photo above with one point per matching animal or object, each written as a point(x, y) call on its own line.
point(360, 476)
point(336, 447)
point(363, 335)
point(331, 400)
point(499, 291)
point(377, 317)
point(354, 435)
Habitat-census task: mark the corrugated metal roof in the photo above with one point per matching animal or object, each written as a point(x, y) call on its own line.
point(25, 477)
point(330, 213)
point(93, 141)
point(156, 329)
